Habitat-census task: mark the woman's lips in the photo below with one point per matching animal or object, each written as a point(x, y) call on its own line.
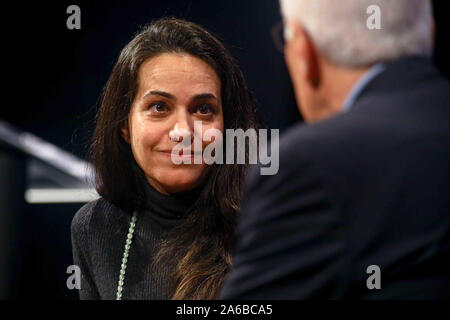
point(189, 154)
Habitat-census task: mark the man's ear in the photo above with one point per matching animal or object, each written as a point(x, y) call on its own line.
point(125, 131)
point(433, 31)
point(304, 49)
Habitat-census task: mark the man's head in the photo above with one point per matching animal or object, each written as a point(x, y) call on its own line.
point(329, 45)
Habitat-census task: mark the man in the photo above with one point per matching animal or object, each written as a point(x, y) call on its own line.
point(360, 205)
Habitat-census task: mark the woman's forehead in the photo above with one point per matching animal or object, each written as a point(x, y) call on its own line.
point(172, 70)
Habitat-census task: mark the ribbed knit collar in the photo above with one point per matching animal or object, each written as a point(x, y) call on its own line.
point(174, 206)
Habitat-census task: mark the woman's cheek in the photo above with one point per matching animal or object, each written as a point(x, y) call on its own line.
point(215, 126)
point(150, 138)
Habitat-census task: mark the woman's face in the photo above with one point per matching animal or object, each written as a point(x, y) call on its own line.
point(174, 91)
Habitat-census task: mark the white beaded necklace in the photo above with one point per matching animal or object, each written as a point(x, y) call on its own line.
point(123, 267)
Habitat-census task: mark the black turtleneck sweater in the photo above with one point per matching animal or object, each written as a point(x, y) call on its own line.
point(99, 231)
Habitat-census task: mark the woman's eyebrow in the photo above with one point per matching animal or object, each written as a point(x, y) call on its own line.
point(203, 96)
point(159, 93)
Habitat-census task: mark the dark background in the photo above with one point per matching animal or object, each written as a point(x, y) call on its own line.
point(59, 74)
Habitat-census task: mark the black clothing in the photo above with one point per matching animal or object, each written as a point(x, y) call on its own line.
point(99, 231)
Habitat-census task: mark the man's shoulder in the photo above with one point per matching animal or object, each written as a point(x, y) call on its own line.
point(305, 147)
point(309, 139)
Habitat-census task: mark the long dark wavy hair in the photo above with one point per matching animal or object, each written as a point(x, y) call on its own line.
point(199, 251)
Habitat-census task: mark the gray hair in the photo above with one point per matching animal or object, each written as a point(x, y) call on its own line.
point(338, 29)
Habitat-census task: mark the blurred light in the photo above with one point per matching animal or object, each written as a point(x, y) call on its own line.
point(60, 195)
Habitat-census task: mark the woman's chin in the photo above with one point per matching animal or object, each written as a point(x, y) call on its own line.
point(176, 183)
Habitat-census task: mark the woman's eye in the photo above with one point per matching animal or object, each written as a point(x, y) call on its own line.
point(205, 109)
point(158, 107)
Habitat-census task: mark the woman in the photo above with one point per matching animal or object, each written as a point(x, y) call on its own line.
point(179, 219)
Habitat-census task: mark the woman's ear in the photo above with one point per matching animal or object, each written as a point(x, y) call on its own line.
point(125, 132)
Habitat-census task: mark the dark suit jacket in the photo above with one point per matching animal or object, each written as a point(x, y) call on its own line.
point(367, 187)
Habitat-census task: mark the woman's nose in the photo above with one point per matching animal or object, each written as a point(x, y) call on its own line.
point(182, 130)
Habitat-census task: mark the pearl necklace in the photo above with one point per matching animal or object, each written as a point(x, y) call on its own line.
point(123, 267)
